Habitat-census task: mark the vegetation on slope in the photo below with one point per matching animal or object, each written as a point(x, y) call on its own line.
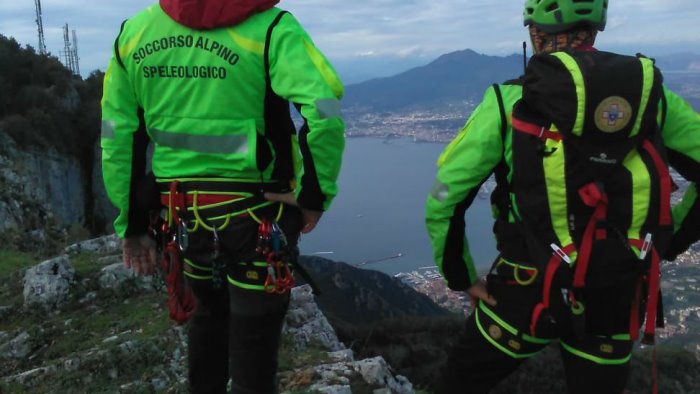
point(43, 105)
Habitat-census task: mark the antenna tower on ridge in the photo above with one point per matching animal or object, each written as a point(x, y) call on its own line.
point(75, 53)
point(70, 51)
point(40, 28)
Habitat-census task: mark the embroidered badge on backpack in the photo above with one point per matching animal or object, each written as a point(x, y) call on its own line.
point(613, 114)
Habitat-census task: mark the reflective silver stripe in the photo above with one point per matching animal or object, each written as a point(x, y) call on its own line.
point(108, 129)
point(328, 108)
point(201, 143)
point(439, 191)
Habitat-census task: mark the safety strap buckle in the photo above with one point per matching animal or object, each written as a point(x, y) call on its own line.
point(560, 253)
point(646, 246)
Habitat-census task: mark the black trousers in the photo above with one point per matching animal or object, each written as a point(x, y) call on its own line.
point(235, 331)
point(495, 340)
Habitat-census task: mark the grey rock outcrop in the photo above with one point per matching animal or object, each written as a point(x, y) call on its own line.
point(107, 245)
point(334, 378)
point(47, 284)
point(116, 275)
point(16, 348)
point(306, 323)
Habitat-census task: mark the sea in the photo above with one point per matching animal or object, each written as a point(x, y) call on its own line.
point(377, 219)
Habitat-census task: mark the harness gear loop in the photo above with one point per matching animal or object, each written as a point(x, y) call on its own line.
point(258, 220)
point(202, 222)
point(530, 272)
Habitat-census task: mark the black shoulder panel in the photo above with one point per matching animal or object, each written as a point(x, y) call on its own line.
point(116, 46)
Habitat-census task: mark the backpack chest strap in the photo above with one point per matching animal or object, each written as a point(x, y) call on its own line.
point(535, 130)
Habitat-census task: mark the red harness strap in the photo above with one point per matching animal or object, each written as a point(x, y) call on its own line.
point(666, 184)
point(176, 202)
point(202, 199)
point(592, 196)
point(634, 312)
point(552, 266)
point(653, 282)
point(536, 130)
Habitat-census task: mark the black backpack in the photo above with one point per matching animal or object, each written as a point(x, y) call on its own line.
point(590, 181)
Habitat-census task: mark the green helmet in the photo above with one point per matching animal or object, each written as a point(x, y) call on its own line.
point(554, 16)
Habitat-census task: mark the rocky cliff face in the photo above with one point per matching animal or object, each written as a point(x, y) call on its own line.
point(41, 191)
point(46, 179)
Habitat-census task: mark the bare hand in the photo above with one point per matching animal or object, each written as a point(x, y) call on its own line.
point(309, 217)
point(139, 253)
point(478, 291)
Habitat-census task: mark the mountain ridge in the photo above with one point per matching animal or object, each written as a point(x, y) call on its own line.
point(431, 102)
point(442, 80)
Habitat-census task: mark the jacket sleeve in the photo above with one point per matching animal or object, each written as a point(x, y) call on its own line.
point(301, 74)
point(681, 133)
point(124, 143)
point(462, 167)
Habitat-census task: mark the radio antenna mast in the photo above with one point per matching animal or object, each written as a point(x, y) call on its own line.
point(40, 28)
point(70, 51)
point(75, 53)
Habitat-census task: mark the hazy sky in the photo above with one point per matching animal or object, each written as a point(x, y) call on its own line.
point(349, 30)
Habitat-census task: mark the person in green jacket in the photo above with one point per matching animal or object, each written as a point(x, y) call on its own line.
point(515, 316)
point(207, 84)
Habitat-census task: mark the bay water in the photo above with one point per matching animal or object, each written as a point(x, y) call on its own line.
point(377, 219)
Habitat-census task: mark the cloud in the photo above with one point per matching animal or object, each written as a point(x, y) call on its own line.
point(351, 29)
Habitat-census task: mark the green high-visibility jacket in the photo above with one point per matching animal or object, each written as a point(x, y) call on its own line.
point(477, 149)
point(215, 103)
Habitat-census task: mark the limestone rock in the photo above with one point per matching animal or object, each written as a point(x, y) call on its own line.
point(47, 285)
point(375, 371)
point(109, 244)
point(32, 375)
point(17, 348)
point(114, 276)
point(306, 323)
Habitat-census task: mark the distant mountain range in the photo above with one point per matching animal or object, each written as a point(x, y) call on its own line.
point(453, 77)
point(431, 102)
